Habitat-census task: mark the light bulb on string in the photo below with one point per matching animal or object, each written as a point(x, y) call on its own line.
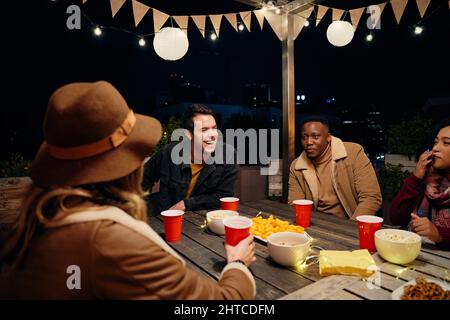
point(213, 36)
point(98, 31)
point(369, 37)
point(306, 23)
point(418, 30)
point(142, 42)
point(241, 27)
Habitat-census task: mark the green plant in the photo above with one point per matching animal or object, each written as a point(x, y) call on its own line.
point(391, 179)
point(408, 137)
point(168, 128)
point(15, 166)
point(273, 197)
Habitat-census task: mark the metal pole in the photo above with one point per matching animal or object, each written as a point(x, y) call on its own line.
point(288, 100)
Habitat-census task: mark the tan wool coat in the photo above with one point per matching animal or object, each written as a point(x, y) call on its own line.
point(353, 177)
point(116, 257)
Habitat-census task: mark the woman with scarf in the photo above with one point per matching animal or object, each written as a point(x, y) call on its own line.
point(423, 203)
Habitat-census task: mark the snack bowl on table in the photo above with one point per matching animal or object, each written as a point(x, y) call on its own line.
point(288, 248)
point(214, 220)
point(397, 246)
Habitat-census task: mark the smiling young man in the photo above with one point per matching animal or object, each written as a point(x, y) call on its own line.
point(196, 184)
point(336, 175)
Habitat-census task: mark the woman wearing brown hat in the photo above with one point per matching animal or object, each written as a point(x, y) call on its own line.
point(82, 232)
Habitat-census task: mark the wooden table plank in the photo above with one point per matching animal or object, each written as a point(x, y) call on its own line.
point(322, 289)
point(211, 262)
point(343, 295)
point(263, 268)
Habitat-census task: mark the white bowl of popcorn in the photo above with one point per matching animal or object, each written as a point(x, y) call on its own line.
point(397, 246)
point(214, 220)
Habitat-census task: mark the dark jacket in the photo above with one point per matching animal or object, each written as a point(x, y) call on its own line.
point(214, 182)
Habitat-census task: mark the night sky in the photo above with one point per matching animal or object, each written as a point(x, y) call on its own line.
point(397, 72)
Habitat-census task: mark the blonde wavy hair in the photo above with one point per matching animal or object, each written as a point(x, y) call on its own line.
point(44, 205)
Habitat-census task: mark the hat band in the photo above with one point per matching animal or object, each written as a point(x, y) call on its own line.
point(88, 150)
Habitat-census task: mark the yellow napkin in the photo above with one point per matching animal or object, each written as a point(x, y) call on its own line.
point(358, 262)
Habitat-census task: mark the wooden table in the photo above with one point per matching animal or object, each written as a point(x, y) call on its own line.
point(204, 253)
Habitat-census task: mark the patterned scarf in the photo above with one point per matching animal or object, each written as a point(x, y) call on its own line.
point(436, 202)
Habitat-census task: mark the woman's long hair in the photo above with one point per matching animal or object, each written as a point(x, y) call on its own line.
point(43, 205)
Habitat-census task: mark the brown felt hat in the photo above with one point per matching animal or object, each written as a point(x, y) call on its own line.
point(91, 135)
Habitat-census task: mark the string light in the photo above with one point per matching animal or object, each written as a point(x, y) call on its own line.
point(241, 27)
point(98, 31)
point(306, 23)
point(213, 36)
point(142, 42)
point(369, 37)
point(418, 30)
point(277, 10)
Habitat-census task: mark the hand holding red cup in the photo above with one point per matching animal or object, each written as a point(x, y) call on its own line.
point(237, 228)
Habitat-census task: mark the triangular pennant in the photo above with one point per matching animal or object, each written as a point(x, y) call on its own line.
point(259, 14)
point(320, 13)
point(337, 14)
point(299, 21)
point(200, 23)
point(398, 6)
point(215, 20)
point(231, 17)
point(139, 11)
point(355, 16)
point(159, 18)
point(423, 5)
point(84, 1)
point(246, 18)
point(116, 5)
point(182, 22)
point(276, 23)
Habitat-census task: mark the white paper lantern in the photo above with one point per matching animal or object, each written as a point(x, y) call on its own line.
point(340, 33)
point(171, 43)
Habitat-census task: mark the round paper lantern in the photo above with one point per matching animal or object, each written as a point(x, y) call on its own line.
point(340, 33)
point(171, 43)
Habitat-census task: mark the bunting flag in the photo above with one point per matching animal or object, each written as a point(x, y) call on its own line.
point(215, 20)
point(300, 20)
point(84, 1)
point(355, 16)
point(200, 23)
point(246, 18)
point(231, 17)
point(423, 5)
point(259, 14)
point(337, 14)
point(139, 11)
point(320, 13)
point(398, 6)
point(116, 5)
point(276, 23)
point(159, 18)
point(182, 22)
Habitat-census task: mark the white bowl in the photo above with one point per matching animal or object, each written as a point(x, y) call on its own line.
point(288, 248)
point(398, 246)
point(215, 218)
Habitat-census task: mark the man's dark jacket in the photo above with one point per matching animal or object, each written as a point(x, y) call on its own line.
point(214, 182)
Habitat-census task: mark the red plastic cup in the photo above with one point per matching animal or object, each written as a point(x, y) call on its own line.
point(173, 220)
point(229, 203)
point(236, 229)
point(367, 226)
point(303, 209)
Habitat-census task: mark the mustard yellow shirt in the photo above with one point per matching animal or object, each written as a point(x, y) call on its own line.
point(195, 170)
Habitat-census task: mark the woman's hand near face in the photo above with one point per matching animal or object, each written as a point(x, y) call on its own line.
point(421, 167)
point(424, 227)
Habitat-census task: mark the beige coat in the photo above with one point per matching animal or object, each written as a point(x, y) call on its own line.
point(118, 258)
point(353, 178)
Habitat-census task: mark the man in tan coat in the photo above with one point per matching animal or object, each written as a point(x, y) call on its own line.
point(336, 175)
